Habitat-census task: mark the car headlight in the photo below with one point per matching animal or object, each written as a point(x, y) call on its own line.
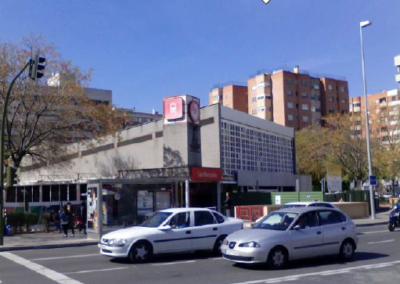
point(225, 242)
point(117, 242)
point(250, 245)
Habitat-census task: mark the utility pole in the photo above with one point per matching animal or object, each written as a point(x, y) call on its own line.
point(36, 69)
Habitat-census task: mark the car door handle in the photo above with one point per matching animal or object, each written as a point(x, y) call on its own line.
point(343, 228)
point(318, 233)
point(188, 232)
point(215, 229)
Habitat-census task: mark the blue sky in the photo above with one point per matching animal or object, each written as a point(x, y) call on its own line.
point(144, 50)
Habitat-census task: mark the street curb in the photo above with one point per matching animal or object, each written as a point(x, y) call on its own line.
point(4, 249)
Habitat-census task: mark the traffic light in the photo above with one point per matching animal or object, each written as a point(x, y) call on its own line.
point(11, 176)
point(36, 67)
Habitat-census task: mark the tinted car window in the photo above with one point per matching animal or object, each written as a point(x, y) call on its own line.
point(180, 220)
point(321, 205)
point(202, 218)
point(292, 206)
point(331, 217)
point(218, 217)
point(308, 220)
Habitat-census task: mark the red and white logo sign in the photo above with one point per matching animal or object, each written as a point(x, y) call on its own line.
point(194, 111)
point(205, 174)
point(173, 108)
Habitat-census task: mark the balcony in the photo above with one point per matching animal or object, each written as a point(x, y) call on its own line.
point(397, 60)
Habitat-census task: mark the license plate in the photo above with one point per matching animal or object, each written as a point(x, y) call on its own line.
point(232, 252)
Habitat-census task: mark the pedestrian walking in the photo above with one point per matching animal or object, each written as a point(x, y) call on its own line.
point(67, 221)
point(228, 205)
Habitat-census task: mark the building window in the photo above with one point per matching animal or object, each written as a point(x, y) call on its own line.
point(304, 95)
point(261, 108)
point(254, 111)
point(289, 93)
point(304, 106)
point(290, 117)
point(254, 88)
point(290, 105)
point(262, 97)
point(330, 87)
point(331, 99)
point(305, 118)
point(343, 89)
point(304, 83)
point(343, 101)
point(288, 81)
point(254, 99)
point(331, 110)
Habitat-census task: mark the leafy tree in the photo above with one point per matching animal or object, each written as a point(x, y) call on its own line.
point(45, 114)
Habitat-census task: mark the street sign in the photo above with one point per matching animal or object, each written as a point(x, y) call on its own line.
point(372, 180)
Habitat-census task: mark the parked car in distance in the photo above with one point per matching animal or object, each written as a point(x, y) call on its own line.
point(293, 233)
point(170, 231)
point(308, 204)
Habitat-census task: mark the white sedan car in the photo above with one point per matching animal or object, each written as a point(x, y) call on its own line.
point(170, 231)
point(293, 233)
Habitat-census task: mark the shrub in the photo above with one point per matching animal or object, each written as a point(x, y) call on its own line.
point(30, 218)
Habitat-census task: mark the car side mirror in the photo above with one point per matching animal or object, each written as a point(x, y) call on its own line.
point(298, 227)
point(165, 228)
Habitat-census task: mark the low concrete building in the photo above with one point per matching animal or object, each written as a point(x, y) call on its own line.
point(190, 158)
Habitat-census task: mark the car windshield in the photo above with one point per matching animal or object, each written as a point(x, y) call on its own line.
point(292, 206)
point(279, 221)
point(156, 219)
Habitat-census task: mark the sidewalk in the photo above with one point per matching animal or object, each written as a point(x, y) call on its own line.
point(45, 241)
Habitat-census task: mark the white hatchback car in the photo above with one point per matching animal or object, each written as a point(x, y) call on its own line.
point(293, 233)
point(170, 231)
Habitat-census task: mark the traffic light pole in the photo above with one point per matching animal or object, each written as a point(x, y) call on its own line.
point(3, 124)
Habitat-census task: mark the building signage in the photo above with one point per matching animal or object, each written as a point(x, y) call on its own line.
point(334, 173)
point(205, 174)
point(194, 111)
point(173, 108)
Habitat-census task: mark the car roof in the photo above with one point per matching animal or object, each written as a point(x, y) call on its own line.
point(184, 209)
point(301, 210)
point(306, 203)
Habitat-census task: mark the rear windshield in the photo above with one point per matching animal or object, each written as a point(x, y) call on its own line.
point(292, 206)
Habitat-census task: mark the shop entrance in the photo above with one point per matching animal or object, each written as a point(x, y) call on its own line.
point(203, 194)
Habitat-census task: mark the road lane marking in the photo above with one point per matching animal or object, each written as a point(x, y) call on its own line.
point(63, 257)
point(51, 274)
point(381, 242)
point(322, 273)
point(97, 270)
point(217, 258)
point(173, 263)
point(374, 232)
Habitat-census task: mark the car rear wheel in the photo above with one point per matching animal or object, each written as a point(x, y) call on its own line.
point(140, 252)
point(277, 258)
point(347, 250)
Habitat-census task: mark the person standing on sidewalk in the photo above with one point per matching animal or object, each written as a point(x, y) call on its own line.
point(83, 218)
point(67, 221)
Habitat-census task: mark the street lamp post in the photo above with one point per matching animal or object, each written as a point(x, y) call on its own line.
point(371, 192)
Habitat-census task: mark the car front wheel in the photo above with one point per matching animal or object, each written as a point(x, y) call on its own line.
point(140, 252)
point(277, 258)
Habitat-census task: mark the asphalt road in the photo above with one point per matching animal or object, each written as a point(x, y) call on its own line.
point(377, 261)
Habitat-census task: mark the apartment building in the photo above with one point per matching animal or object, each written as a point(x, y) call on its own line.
point(383, 110)
point(296, 99)
point(232, 96)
